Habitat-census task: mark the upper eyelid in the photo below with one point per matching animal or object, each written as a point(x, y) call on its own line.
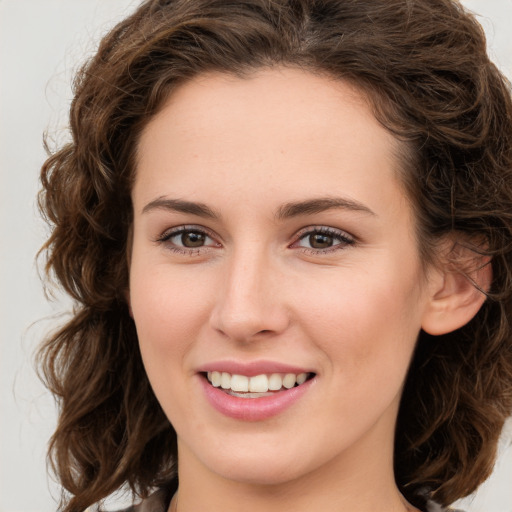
point(324, 229)
point(165, 239)
point(173, 231)
point(345, 239)
point(169, 232)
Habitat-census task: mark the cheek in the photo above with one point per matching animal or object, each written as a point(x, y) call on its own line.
point(163, 300)
point(171, 313)
point(167, 315)
point(369, 328)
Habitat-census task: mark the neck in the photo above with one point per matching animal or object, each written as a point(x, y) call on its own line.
point(282, 497)
point(344, 483)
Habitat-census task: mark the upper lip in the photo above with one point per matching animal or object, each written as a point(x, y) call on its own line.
point(251, 368)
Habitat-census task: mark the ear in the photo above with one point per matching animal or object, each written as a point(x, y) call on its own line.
point(457, 289)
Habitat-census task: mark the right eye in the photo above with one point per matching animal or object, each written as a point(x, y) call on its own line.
point(186, 239)
point(189, 239)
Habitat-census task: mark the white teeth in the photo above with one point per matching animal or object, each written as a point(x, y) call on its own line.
point(225, 381)
point(301, 378)
point(249, 395)
point(239, 383)
point(215, 379)
point(289, 380)
point(257, 384)
point(275, 382)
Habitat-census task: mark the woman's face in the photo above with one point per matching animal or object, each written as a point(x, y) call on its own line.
point(272, 237)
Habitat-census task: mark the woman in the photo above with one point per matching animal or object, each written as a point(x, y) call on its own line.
point(287, 229)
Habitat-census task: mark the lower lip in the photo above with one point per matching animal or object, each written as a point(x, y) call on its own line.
point(253, 409)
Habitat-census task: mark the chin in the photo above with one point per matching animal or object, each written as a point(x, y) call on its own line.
point(260, 474)
point(263, 465)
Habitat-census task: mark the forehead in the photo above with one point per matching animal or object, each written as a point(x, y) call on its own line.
point(302, 99)
point(298, 131)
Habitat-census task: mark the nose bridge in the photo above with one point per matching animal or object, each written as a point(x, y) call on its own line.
point(248, 303)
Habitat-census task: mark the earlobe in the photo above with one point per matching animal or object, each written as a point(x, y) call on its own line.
point(457, 295)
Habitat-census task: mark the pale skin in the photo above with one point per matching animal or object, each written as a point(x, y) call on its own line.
point(304, 252)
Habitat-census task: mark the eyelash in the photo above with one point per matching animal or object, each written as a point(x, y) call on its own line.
point(166, 237)
point(343, 239)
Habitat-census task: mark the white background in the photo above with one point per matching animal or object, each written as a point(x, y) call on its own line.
point(42, 43)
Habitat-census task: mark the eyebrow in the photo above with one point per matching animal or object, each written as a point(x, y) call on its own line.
point(179, 205)
point(321, 204)
point(286, 211)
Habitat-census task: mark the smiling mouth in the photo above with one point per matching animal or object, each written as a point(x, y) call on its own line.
point(257, 386)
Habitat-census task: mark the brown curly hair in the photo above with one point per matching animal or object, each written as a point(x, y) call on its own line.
point(423, 66)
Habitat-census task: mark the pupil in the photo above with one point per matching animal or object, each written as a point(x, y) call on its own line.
point(320, 241)
point(192, 239)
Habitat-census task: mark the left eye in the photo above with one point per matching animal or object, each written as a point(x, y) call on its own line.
point(324, 239)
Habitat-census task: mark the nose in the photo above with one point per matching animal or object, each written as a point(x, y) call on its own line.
point(249, 304)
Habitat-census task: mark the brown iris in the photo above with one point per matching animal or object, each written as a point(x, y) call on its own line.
point(320, 241)
point(193, 239)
